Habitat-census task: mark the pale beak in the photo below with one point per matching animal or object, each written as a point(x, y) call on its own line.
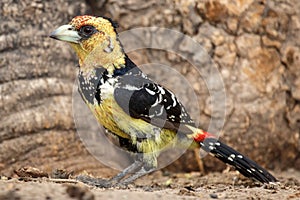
point(66, 33)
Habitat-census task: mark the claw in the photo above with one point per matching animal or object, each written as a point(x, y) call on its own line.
point(97, 182)
point(121, 180)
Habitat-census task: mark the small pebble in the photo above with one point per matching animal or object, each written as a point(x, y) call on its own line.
point(213, 196)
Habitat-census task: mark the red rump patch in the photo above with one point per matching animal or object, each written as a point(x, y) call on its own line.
point(199, 137)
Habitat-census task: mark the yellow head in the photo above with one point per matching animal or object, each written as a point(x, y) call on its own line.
point(95, 41)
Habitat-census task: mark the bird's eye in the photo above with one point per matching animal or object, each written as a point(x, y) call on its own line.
point(86, 31)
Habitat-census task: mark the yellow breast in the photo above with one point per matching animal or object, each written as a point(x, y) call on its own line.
point(113, 118)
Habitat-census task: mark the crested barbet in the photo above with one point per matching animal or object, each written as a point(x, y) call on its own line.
point(143, 115)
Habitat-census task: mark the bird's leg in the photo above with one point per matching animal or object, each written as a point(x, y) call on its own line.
point(130, 169)
point(143, 171)
point(98, 182)
point(113, 181)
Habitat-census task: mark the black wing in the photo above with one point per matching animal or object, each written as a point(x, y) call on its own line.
point(141, 98)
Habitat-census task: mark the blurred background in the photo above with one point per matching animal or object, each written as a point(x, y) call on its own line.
point(254, 43)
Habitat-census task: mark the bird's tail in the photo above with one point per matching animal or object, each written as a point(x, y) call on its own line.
point(243, 164)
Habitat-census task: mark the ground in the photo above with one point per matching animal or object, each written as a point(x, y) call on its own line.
point(159, 185)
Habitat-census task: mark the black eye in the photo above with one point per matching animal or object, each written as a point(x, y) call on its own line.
point(86, 31)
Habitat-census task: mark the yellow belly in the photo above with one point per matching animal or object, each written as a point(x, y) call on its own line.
point(152, 138)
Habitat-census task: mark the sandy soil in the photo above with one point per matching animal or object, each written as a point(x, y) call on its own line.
point(226, 185)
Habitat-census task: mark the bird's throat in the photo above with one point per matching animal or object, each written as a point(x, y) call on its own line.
point(108, 55)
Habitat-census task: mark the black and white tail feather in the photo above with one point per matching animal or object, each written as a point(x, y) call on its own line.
point(243, 164)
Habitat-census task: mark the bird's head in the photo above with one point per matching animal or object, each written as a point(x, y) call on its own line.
point(95, 41)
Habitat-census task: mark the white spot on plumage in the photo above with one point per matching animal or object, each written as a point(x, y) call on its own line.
point(150, 116)
point(240, 156)
point(96, 102)
point(143, 75)
point(217, 144)
point(150, 91)
point(155, 103)
point(162, 91)
point(107, 88)
point(229, 158)
point(232, 156)
point(161, 111)
point(248, 170)
point(174, 99)
point(159, 98)
point(112, 81)
point(130, 87)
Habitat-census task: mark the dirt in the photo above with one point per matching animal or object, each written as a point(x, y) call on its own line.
point(159, 185)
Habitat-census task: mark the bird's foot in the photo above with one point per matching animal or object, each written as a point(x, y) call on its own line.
point(97, 182)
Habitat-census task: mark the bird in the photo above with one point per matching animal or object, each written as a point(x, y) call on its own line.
point(143, 115)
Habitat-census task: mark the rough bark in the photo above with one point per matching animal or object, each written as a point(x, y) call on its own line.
point(36, 81)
